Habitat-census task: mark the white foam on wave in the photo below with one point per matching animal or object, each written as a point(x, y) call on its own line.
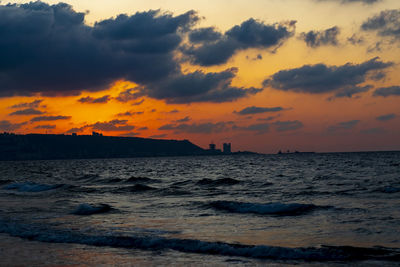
point(30, 187)
point(45, 234)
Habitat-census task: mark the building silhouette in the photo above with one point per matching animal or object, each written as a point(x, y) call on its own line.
point(227, 148)
point(212, 147)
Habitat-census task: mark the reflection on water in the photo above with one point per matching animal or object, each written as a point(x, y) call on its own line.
point(290, 201)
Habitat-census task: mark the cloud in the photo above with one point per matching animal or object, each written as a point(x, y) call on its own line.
point(355, 40)
point(283, 126)
point(129, 113)
point(346, 125)
point(320, 78)
point(257, 110)
point(352, 1)
point(28, 111)
point(259, 128)
point(9, 126)
point(213, 48)
point(316, 39)
point(33, 104)
point(387, 91)
point(142, 128)
point(111, 126)
point(138, 103)
point(198, 87)
point(270, 118)
point(386, 117)
point(47, 127)
point(128, 95)
point(205, 35)
point(91, 100)
point(49, 49)
point(50, 118)
point(201, 128)
point(173, 111)
point(349, 92)
point(386, 23)
point(186, 119)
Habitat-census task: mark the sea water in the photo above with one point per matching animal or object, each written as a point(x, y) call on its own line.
point(291, 209)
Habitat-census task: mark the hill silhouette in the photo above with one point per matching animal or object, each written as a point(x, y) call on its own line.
point(51, 146)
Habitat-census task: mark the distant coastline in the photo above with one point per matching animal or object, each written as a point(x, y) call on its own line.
point(59, 146)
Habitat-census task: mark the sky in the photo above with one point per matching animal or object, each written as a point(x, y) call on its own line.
point(264, 75)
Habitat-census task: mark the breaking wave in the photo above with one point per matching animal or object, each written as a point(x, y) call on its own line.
point(321, 254)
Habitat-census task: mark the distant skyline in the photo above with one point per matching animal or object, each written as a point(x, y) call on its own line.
point(306, 75)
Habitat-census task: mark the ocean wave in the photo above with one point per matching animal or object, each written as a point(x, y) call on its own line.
point(150, 242)
point(391, 189)
point(222, 181)
point(135, 188)
point(281, 209)
point(134, 179)
point(31, 187)
point(88, 209)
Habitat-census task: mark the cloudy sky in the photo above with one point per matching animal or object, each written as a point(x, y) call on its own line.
point(266, 75)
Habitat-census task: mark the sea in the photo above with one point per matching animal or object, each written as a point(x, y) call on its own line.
point(323, 209)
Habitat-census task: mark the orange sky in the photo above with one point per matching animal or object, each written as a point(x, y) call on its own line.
point(309, 121)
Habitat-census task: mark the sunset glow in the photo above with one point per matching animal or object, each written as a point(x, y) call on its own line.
point(308, 75)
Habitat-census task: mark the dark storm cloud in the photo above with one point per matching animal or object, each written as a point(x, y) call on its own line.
point(346, 125)
point(257, 110)
point(203, 35)
point(198, 87)
point(212, 48)
point(386, 23)
point(283, 126)
point(259, 128)
point(50, 118)
point(91, 100)
point(386, 117)
point(48, 48)
point(320, 78)
point(28, 111)
point(33, 104)
point(9, 126)
point(316, 39)
point(111, 126)
point(387, 91)
point(46, 127)
point(202, 128)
